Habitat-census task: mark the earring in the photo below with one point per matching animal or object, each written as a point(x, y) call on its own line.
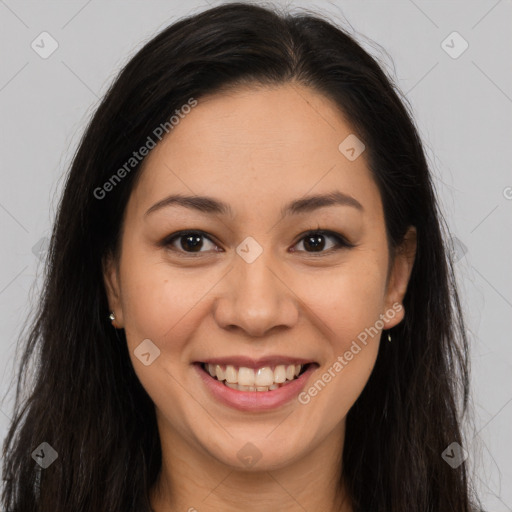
point(389, 337)
point(112, 317)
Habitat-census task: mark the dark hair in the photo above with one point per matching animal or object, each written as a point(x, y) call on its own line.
point(85, 399)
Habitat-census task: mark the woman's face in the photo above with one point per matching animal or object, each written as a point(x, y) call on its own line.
point(254, 291)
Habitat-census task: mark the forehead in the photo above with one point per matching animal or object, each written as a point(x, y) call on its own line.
point(254, 147)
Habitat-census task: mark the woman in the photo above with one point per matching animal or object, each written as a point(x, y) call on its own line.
point(249, 301)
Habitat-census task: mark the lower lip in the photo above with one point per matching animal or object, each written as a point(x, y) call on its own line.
point(254, 400)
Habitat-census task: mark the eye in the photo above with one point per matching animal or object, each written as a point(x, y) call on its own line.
point(315, 240)
point(187, 241)
point(190, 242)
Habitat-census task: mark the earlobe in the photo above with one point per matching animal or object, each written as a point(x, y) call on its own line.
point(400, 274)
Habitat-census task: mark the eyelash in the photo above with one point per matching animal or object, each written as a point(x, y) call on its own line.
point(341, 241)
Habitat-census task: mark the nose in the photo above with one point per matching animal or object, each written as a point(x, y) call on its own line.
point(255, 299)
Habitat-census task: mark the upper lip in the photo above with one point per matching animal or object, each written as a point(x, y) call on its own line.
point(249, 362)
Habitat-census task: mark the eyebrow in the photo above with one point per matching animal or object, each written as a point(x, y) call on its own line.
point(209, 205)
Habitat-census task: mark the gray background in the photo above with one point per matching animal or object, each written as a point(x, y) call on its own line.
point(462, 107)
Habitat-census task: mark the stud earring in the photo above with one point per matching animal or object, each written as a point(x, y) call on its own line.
point(389, 337)
point(112, 317)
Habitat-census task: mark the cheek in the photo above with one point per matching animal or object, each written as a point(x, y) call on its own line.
point(347, 306)
point(163, 304)
point(347, 303)
point(159, 300)
point(346, 300)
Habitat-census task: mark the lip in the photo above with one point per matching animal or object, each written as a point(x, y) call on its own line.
point(253, 400)
point(248, 362)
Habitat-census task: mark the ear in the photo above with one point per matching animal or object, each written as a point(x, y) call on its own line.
point(111, 280)
point(399, 277)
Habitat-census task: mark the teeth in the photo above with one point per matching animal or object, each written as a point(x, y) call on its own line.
point(264, 377)
point(231, 374)
point(219, 372)
point(280, 374)
point(248, 379)
point(251, 388)
point(245, 376)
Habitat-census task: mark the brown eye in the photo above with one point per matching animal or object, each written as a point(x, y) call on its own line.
point(315, 242)
point(188, 241)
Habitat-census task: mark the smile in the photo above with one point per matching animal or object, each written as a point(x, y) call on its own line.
point(264, 386)
point(266, 378)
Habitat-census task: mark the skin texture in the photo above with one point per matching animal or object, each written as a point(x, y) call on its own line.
point(255, 148)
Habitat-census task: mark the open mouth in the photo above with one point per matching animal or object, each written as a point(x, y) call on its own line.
point(267, 378)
